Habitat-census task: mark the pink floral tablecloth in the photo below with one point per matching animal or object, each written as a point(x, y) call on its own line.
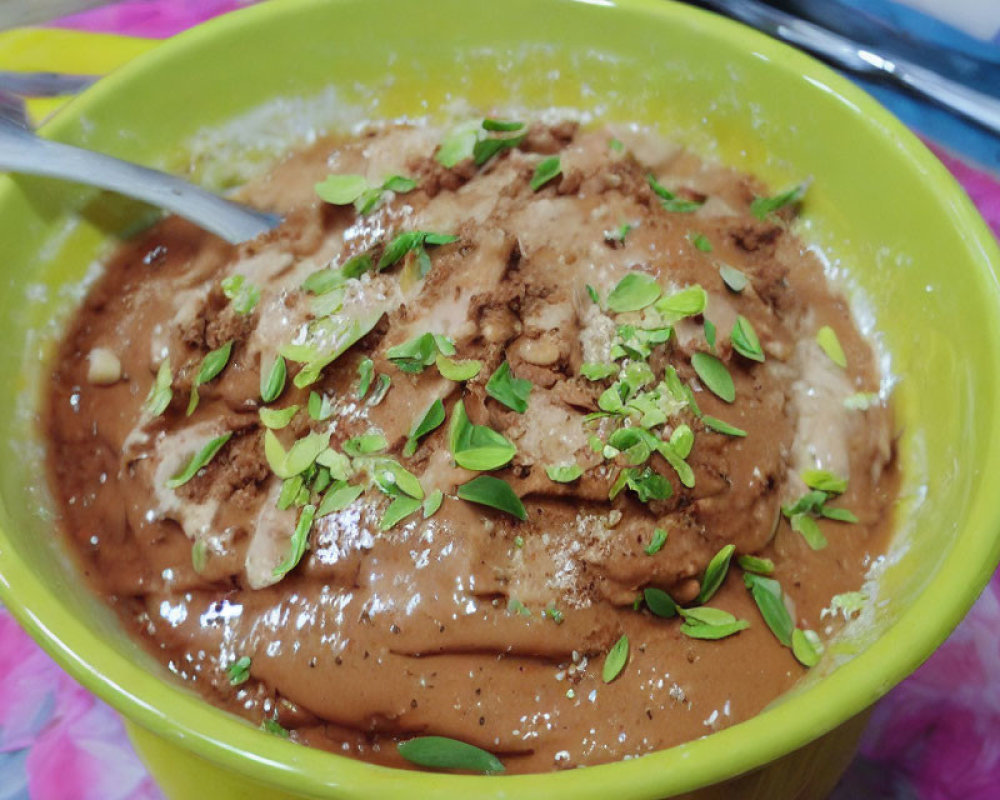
point(934, 737)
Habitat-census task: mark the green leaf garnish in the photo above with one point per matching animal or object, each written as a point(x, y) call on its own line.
point(290, 491)
point(515, 606)
point(710, 334)
point(563, 473)
point(458, 144)
point(199, 460)
point(297, 545)
point(837, 514)
point(392, 478)
point(546, 170)
point(719, 426)
point(199, 556)
point(616, 145)
point(273, 384)
point(646, 483)
point(327, 338)
point(211, 365)
point(806, 525)
point(440, 752)
point(477, 447)
point(366, 444)
point(762, 566)
point(457, 371)
point(554, 614)
point(617, 236)
point(735, 280)
point(745, 341)
point(709, 623)
point(160, 393)
point(688, 302)
point(505, 388)
point(714, 375)
point(597, 372)
point(339, 496)
point(806, 647)
point(277, 418)
point(357, 265)
point(824, 481)
point(341, 190)
point(406, 242)
point(420, 352)
point(298, 458)
point(400, 508)
point(700, 241)
point(656, 543)
point(768, 596)
point(502, 126)
point(659, 602)
point(634, 292)
point(242, 294)
point(592, 294)
point(614, 661)
point(432, 418)
point(827, 339)
point(848, 604)
point(381, 390)
point(273, 727)
point(669, 200)
point(715, 573)
point(239, 671)
point(432, 503)
point(762, 207)
point(495, 493)
point(484, 149)
point(366, 371)
point(320, 407)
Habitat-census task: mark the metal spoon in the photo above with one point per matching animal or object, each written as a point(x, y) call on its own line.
point(23, 152)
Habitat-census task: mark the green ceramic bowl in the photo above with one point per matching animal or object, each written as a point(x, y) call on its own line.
point(919, 262)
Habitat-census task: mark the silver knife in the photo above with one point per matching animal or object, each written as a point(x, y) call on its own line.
point(847, 54)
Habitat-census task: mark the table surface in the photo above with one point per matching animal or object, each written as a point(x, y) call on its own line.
point(934, 737)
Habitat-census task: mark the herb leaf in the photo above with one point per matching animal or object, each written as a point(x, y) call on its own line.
point(563, 473)
point(239, 671)
point(457, 144)
point(744, 339)
point(806, 525)
point(634, 292)
point(277, 418)
point(735, 280)
point(806, 647)
point(714, 375)
point(440, 752)
point(339, 496)
point(761, 207)
point(495, 493)
point(505, 388)
point(700, 241)
point(824, 481)
point(419, 352)
point(273, 384)
point(340, 190)
point(669, 200)
point(199, 460)
point(720, 426)
point(688, 302)
point(366, 371)
point(320, 407)
point(433, 502)
point(243, 295)
point(594, 371)
point(715, 573)
point(477, 447)
point(614, 661)
point(403, 243)
point(400, 508)
point(659, 602)
point(826, 338)
point(767, 595)
point(160, 393)
point(211, 365)
point(709, 623)
point(458, 371)
point(432, 418)
point(762, 566)
point(546, 170)
point(656, 543)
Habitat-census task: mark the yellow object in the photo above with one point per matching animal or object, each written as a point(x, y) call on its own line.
point(73, 52)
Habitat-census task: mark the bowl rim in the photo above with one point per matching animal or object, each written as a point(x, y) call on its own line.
point(186, 721)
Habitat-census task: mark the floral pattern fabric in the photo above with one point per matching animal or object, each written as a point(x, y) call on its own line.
point(934, 737)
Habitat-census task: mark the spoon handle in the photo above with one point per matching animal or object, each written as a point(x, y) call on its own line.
point(23, 152)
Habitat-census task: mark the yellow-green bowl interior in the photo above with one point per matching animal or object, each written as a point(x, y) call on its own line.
point(916, 257)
